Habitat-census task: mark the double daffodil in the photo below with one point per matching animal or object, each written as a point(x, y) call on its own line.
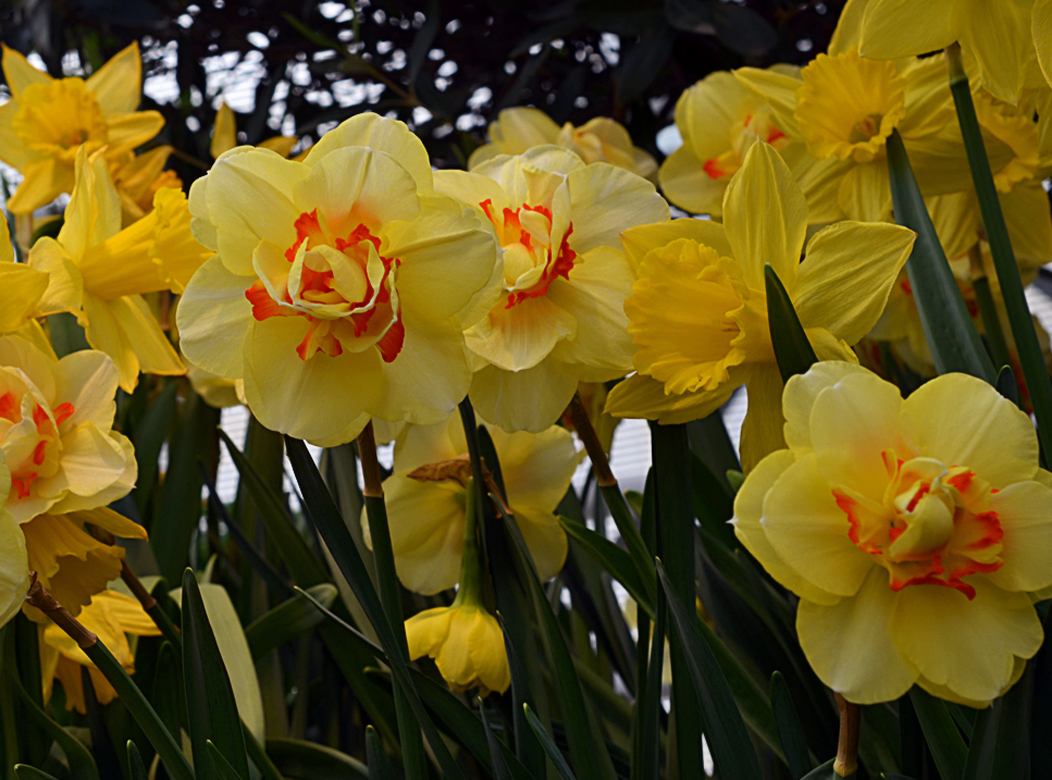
point(698, 312)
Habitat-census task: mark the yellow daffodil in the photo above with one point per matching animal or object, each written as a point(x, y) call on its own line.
point(599, 140)
point(912, 531)
point(14, 562)
point(996, 36)
point(342, 284)
point(99, 272)
point(65, 465)
point(111, 616)
point(698, 312)
point(565, 277)
point(48, 120)
point(427, 496)
point(844, 107)
point(137, 177)
point(467, 644)
point(224, 136)
point(719, 121)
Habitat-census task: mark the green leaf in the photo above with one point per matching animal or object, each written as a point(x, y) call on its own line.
point(135, 765)
point(791, 733)
point(149, 438)
point(213, 714)
point(792, 349)
point(322, 511)
point(258, 756)
point(943, 737)
point(615, 560)
point(287, 621)
point(379, 763)
point(222, 767)
point(1027, 345)
point(67, 336)
point(1006, 384)
point(497, 764)
point(305, 567)
point(951, 335)
point(642, 63)
point(549, 746)
point(713, 503)
point(1000, 745)
point(24, 772)
point(732, 750)
point(179, 502)
point(311, 761)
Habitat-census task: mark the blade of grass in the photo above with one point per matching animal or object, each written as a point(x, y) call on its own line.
point(943, 737)
point(549, 746)
point(792, 349)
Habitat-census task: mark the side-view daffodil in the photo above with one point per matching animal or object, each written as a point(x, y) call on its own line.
point(914, 532)
point(517, 130)
point(698, 312)
point(99, 272)
point(342, 284)
point(427, 498)
point(559, 320)
point(47, 121)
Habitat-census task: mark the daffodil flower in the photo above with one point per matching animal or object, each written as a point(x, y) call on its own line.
point(914, 532)
point(996, 36)
point(65, 465)
point(719, 121)
point(844, 107)
point(698, 312)
point(559, 320)
point(341, 286)
point(99, 271)
point(111, 616)
point(517, 130)
point(47, 121)
point(427, 495)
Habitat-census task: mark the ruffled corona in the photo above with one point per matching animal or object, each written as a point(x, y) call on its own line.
point(912, 531)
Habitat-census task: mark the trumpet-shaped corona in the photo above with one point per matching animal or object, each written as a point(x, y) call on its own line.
point(913, 532)
point(698, 311)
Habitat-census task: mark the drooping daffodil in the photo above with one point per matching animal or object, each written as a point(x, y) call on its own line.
point(913, 531)
point(698, 312)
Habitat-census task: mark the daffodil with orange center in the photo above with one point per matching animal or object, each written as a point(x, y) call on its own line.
point(66, 465)
point(341, 286)
point(914, 532)
point(698, 312)
point(112, 616)
point(427, 498)
point(559, 319)
point(100, 272)
point(719, 121)
point(47, 121)
point(519, 129)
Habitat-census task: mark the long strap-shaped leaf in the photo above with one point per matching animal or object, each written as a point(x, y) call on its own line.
point(944, 739)
point(321, 509)
point(954, 342)
point(792, 349)
point(732, 751)
point(549, 746)
point(1030, 358)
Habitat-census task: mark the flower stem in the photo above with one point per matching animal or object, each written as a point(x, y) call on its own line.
point(995, 336)
point(846, 763)
point(413, 756)
point(1030, 358)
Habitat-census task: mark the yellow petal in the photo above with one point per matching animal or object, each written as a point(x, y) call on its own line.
point(151, 346)
point(864, 194)
point(520, 337)
point(985, 634)
point(108, 520)
point(1042, 31)
point(427, 631)
point(19, 74)
point(379, 134)
point(23, 287)
point(777, 88)
point(282, 144)
point(1024, 510)
point(529, 400)
point(104, 333)
point(43, 181)
point(537, 468)
point(544, 537)
point(999, 39)
point(427, 532)
point(118, 84)
point(799, 399)
point(899, 28)
point(126, 131)
point(213, 317)
point(515, 131)
point(644, 397)
point(488, 655)
point(762, 428)
point(685, 183)
point(88, 380)
point(847, 276)
point(224, 132)
point(94, 210)
point(850, 647)
point(14, 565)
point(998, 443)
point(606, 200)
point(765, 215)
point(65, 288)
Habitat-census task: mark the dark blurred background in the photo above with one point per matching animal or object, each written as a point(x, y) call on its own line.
point(446, 67)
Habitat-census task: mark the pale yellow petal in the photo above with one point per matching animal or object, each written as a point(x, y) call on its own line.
point(23, 288)
point(998, 442)
point(849, 644)
point(765, 215)
point(644, 397)
point(118, 84)
point(214, 317)
point(685, 183)
point(380, 134)
point(91, 461)
point(605, 200)
point(520, 337)
point(224, 132)
point(14, 566)
point(530, 400)
point(94, 210)
point(537, 468)
point(1025, 513)
point(19, 74)
point(427, 531)
point(847, 276)
point(985, 633)
point(777, 88)
point(799, 398)
point(88, 380)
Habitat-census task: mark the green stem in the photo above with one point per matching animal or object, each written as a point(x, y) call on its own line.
point(413, 756)
point(1030, 358)
point(995, 336)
